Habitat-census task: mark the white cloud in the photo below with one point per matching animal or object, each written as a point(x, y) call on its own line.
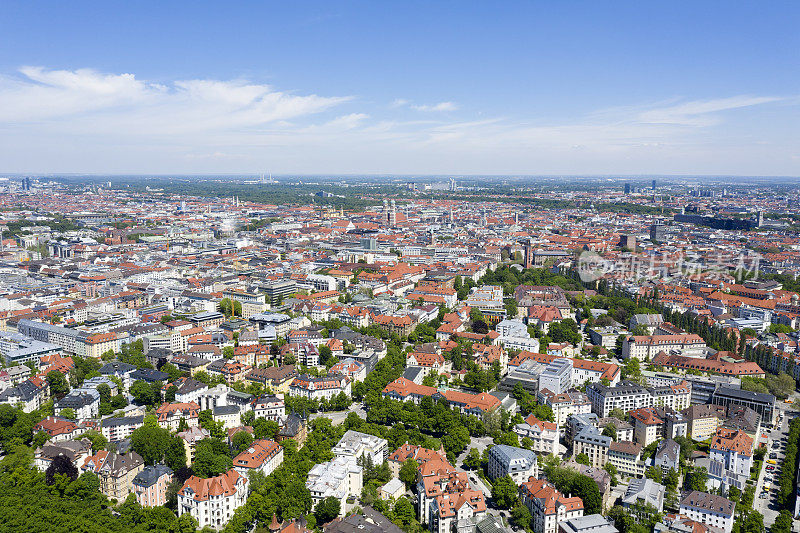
point(696, 113)
point(122, 100)
point(88, 121)
point(441, 106)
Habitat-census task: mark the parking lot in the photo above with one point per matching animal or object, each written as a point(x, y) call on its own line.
point(765, 502)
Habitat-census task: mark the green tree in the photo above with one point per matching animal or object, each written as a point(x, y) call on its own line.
point(564, 331)
point(156, 444)
point(69, 413)
point(696, 479)
point(610, 431)
point(211, 458)
point(473, 459)
point(408, 472)
point(404, 511)
point(504, 492)
point(57, 383)
point(618, 413)
point(783, 523)
point(241, 441)
point(583, 459)
point(99, 442)
point(327, 509)
point(142, 393)
point(521, 516)
point(326, 357)
point(654, 473)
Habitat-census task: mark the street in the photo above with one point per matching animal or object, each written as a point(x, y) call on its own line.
point(337, 417)
point(767, 505)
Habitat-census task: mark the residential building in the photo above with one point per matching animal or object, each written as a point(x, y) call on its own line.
point(667, 456)
point(410, 451)
point(547, 506)
point(730, 459)
point(355, 445)
point(120, 428)
point(262, 455)
point(59, 429)
point(543, 434)
point(116, 472)
point(85, 405)
point(371, 521)
point(212, 501)
point(708, 509)
point(557, 376)
point(626, 396)
point(317, 388)
point(592, 523)
point(169, 415)
point(642, 492)
point(703, 420)
point(647, 425)
point(269, 407)
point(339, 478)
point(592, 443)
point(75, 450)
point(150, 485)
point(190, 438)
point(519, 463)
point(627, 457)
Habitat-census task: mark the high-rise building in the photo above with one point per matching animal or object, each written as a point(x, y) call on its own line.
point(390, 213)
point(654, 184)
point(627, 188)
point(658, 232)
point(528, 254)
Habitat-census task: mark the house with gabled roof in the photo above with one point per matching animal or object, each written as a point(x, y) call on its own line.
point(212, 501)
point(547, 505)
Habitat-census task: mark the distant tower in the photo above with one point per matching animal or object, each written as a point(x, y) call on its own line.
point(451, 215)
point(760, 219)
point(392, 214)
point(627, 188)
point(389, 213)
point(654, 184)
point(183, 206)
point(452, 185)
point(528, 254)
point(516, 218)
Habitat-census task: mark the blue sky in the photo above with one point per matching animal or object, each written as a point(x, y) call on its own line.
point(400, 87)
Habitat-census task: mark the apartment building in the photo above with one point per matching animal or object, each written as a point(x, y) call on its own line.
point(731, 457)
point(115, 471)
point(519, 463)
point(212, 501)
point(339, 478)
point(150, 485)
point(708, 509)
point(626, 396)
point(262, 455)
point(547, 506)
point(543, 434)
point(646, 347)
point(557, 376)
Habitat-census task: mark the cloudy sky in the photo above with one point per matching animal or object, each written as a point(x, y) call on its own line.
point(400, 87)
